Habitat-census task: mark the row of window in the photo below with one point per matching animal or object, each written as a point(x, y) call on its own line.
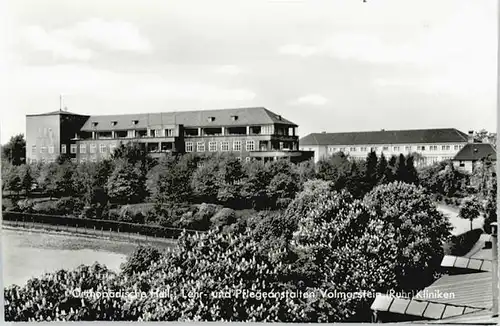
point(224, 146)
point(93, 159)
point(394, 148)
point(73, 148)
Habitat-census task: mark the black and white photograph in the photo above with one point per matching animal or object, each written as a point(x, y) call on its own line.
point(291, 161)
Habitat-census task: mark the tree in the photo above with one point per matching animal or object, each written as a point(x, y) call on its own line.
point(125, 185)
point(26, 178)
point(401, 170)
point(15, 150)
point(382, 169)
point(169, 182)
point(470, 209)
point(229, 177)
point(282, 189)
point(255, 184)
point(140, 260)
point(411, 172)
point(47, 179)
point(12, 179)
point(406, 226)
point(204, 181)
point(371, 170)
point(63, 181)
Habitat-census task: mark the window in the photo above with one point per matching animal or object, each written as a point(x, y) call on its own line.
point(212, 146)
point(112, 148)
point(433, 148)
point(189, 147)
point(200, 146)
point(73, 149)
point(113, 123)
point(281, 145)
point(43, 149)
point(93, 148)
point(407, 148)
point(462, 164)
point(102, 148)
point(224, 146)
point(352, 149)
point(364, 149)
point(237, 145)
point(93, 158)
point(250, 145)
point(374, 149)
point(420, 148)
point(211, 119)
point(247, 159)
point(234, 117)
point(33, 149)
point(51, 149)
point(385, 148)
point(134, 122)
point(94, 124)
point(83, 148)
point(395, 148)
point(169, 132)
point(332, 149)
point(445, 147)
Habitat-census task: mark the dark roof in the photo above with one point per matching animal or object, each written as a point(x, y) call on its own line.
point(200, 118)
point(483, 317)
point(478, 258)
point(58, 112)
point(475, 152)
point(424, 136)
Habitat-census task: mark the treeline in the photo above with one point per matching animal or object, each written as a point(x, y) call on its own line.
point(325, 241)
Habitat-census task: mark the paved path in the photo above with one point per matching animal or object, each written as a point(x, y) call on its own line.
point(460, 225)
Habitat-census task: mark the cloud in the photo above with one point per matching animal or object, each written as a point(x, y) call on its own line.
point(87, 81)
point(75, 42)
point(40, 40)
point(229, 70)
point(313, 99)
point(299, 50)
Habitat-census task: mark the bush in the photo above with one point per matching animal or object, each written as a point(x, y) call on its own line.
point(26, 205)
point(69, 206)
point(140, 260)
point(45, 207)
point(224, 217)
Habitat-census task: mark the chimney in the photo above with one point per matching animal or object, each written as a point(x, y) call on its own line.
point(494, 253)
point(471, 136)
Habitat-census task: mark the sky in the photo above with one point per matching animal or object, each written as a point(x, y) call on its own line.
point(333, 65)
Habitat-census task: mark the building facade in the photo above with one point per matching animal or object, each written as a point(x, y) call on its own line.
point(249, 133)
point(431, 145)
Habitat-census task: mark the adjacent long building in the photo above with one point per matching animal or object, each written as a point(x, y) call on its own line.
point(432, 145)
point(250, 133)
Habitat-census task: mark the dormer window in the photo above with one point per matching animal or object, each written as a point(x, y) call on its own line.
point(211, 119)
point(134, 122)
point(94, 124)
point(234, 117)
point(279, 117)
point(114, 123)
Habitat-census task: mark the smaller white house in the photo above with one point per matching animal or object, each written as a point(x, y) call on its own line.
point(474, 154)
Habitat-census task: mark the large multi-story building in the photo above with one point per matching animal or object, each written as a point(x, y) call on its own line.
point(431, 145)
point(249, 133)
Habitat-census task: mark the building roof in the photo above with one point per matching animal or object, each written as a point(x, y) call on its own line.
point(58, 112)
point(449, 296)
point(200, 118)
point(483, 317)
point(415, 136)
point(478, 258)
point(475, 152)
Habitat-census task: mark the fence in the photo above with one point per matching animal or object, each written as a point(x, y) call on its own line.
point(105, 228)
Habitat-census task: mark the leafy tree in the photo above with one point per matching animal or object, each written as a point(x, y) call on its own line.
point(204, 181)
point(255, 184)
point(63, 181)
point(125, 185)
point(470, 209)
point(12, 180)
point(47, 179)
point(401, 170)
point(229, 177)
point(282, 189)
point(306, 171)
point(15, 150)
point(169, 182)
point(406, 226)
